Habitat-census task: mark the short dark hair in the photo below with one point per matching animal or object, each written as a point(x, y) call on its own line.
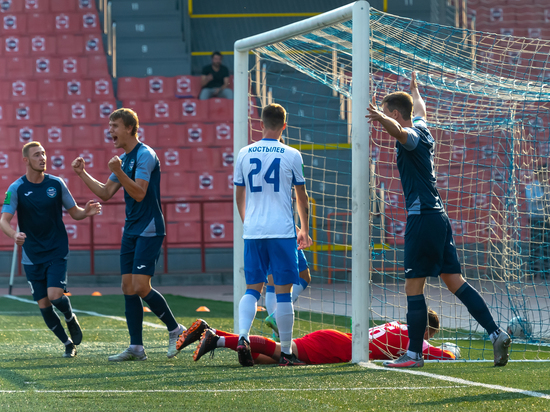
point(27, 146)
point(400, 101)
point(216, 53)
point(129, 118)
point(433, 320)
point(273, 116)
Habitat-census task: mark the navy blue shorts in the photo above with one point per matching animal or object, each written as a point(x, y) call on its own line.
point(46, 275)
point(281, 255)
point(139, 254)
point(429, 246)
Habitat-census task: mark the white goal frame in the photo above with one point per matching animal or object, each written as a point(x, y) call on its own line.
point(358, 12)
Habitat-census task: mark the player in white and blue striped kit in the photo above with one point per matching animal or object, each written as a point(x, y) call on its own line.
point(265, 172)
point(138, 171)
point(38, 199)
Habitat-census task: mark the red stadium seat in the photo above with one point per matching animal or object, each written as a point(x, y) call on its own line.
point(181, 212)
point(12, 6)
point(94, 158)
point(148, 135)
point(142, 109)
point(26, 134)
point(11, 162)
point(82, 113)
point(40, 23)
point(103, 89)
point(65, 6)
point(74, 67)
point(93, 44)
point(34, 6)
point(90, 23)
point(26, 114)
point(70, 44)
point(224, 133)
point(164, 111)
point(111, 213)
point(97, 66)
point(169, 135)
point(19, 68)
point(187, 86)
point(108, 235)
point(220, 110)
point(221, 211)
point(193, 110)
point(218, 231)
point(6, 114)
point(131, 88)
point(15, 45)
point(14, 24)
point(212, 185)
point(198, 134)
point(186, 234)
point(178, 185)
point(224, 157)
point(55, 113)
point(46, 67)
point(43, 45)
point(58, 136)
point(5, 91)
point(60, 159)
point(9, 139)
point(104, 109)
point(75, 185)
point(3, 63)
point(160, 88)
point(89, 137)
point(76, 89)
point(173, 159)
point(201, 159)
point(78, 232)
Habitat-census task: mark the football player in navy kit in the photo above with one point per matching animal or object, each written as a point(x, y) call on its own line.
point(138, 172)
point(429, 246)
point(38, 198)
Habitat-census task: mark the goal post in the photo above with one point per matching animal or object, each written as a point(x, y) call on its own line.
point(358, 13)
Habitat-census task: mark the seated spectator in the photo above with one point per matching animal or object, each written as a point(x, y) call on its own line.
point(215, 79)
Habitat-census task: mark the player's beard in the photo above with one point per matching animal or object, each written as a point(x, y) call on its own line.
point(42, 170)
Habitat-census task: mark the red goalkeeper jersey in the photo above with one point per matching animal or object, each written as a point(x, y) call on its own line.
point(387, 341)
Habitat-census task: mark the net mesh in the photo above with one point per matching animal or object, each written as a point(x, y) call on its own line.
point(487, 99)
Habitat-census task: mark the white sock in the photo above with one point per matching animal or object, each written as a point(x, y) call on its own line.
point(221, 342)
point(296, 290)
point(68, 342)
point(285, 322)
point(414, 355)
point(247, 312)
point(136, 348)
point(270, 302)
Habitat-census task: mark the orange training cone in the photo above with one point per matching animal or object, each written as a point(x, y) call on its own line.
point(261, 309)
point(68, 294)
point(96, 293)
point(203, 309)
point(146, 309)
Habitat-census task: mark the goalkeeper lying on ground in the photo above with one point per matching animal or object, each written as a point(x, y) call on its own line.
point(387, 341)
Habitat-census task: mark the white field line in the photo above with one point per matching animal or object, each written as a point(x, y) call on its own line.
point(390, 388)
point(100, 315)
point(458, 381)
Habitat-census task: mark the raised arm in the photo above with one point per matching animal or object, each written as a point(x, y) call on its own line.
point(419, 106)
point(391, 125)
point(104, 191)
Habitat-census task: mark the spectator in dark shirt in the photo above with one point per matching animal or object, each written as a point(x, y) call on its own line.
point(215, 79)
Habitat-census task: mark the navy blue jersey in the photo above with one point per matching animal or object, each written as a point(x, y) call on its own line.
point(143, 218)
point(40, 217)
point(415, 162)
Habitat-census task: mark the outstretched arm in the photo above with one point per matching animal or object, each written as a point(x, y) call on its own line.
point(419, 106)
point(391, 125)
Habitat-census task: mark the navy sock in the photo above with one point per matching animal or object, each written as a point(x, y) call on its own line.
point(64, 305)
point(477, 307)
point(159, 307)
point(54, 323)
point(417, 320)
point(134, 318)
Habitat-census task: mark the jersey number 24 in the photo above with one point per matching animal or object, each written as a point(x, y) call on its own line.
point(271, 175)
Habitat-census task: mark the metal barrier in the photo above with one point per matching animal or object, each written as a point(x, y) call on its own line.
point(203, 243)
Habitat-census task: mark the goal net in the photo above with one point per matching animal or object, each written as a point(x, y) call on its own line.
point(488, 101)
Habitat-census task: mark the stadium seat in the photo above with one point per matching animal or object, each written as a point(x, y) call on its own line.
point(164, 111)
point(11, 162)
point(55, 113)
point(181, 212)
point(212, 185)
point(19, 68)
point(254, 131)
point(26, 113)
point(224, 157)
point(58, 136)
point(6, 113)
point(102, 89)
point(193, 110)
point(86, 136)
point(90, 23)
point(9, 139)
point(131, 88)
point(48, 90)
point(183, 234)
point(12, 6)
point(3, 63)
point(45, 67)
point(142, 109)
point(82, 113)
point(15, 45)
point(76, 89)
point(78, 232)
point(42, 45)
point(224, 133)
point(93, 44)
point(178, 185)
point(14, 24)
point(75, 185)
point(97, 66)
point(26, 134)
point(173, 158)
point(202, 159)
point(40, 23)
point(111, 213)
point(220, 110)
point(23, 91)
point(222, 211)
point(148, 134)
point(217, 231)
point(70, 44)
point(67, 23)
point(60, 159)
point(104, 109)
point(94, 158)
point(75, 67)
point(169, 135)
point(198, 134)
point(187, 86)
point(160, 88)
point(108, 235)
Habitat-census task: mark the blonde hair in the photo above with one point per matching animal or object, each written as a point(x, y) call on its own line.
point(28, 146)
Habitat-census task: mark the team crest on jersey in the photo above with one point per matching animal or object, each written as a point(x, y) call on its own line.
point(131, 165)
point(51, 192)
point(7, 199)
